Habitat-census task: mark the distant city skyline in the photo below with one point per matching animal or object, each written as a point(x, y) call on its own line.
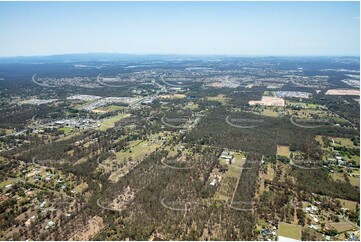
point(181, 28)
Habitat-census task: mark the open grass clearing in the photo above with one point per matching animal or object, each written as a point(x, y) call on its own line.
point(81, 187)
point(220, 98)
point(8, 182)
point(355, 181)
point(344, 142)
point(342, 226)
point(348, 204)
point(289, 230)
point(356, 158)
point(109, 122)
point(305, 105)
point(283, 151)
point(66, 130)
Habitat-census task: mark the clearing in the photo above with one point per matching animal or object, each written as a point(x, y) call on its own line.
point(109, 122)
point(283, 151)
point(289, 230)
point(229, 179)
point(351, 92)
point(92, 228)
point(269, 101)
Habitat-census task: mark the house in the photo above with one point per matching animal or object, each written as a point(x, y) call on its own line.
point(315, 219)
point(352, 237)
point(42, 204)
point(213, 183)
point(266, 232)
point(28, 222)
point(226, 157)
point(9, 185)
point(314, 227)
point(50, 225)
point(311, 209)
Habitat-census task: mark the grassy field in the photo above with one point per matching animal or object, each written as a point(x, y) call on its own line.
point(66, 130)
point(9, 181)
point(305, 105)
point(80, 187)
point(283, 151)
point(318, 138)
point(109, 108)
point(356, 158)
point(109, 122)
point(355, 181)
point(192, 106)
point(220, 98)
point(269, 113)
point(342, 226)
point(289, 230)
point(138, 150)
point(344, 142)
point(338, 176)
point(114, 108)
point(269, 175)
point(348, 204)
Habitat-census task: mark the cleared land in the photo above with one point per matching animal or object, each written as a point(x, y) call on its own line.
point(355, 181)
point(344, 142)
point(289, 230)
point(342, 226)
point(137, 151)
point(229, 179)
point(219, 98)
point(109, 122)
point(269, 101)
point(108, 109)
point(351, 92)
point(269, 113)
point(283, 151)
point(172, 96)
point(92, 228)
point(348, 204)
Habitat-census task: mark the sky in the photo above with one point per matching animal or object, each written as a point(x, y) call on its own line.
point(196, 28)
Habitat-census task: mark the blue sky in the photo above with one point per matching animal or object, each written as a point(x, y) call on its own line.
point(230, 28)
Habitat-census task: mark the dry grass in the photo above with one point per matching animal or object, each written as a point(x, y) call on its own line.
point(91, 229)
point(342, 226)
point(289, 230)
point(283, 151)
point(351, 92)
point(348, 204)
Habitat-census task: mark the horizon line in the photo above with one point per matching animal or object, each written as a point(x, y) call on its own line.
point(173, 54)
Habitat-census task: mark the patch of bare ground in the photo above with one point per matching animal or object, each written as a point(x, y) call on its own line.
point(269, 101)
point(92, 228)
point(121, 201)
point(351, 92)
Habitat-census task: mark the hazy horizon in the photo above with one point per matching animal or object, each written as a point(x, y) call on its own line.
point(172, 54)
point(180, 28)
